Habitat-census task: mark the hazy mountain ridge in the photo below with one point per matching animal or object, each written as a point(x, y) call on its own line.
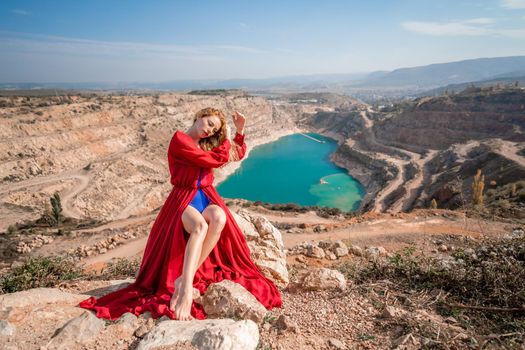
point(409, 80)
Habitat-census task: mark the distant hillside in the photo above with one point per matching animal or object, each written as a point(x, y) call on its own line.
point(441, 74)
point(504, 81)
point(367, 86)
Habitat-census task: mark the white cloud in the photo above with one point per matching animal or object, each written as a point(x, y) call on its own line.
point(481, 20)
point(21, 12)
point(439, 29)
point(473, 27)
point(513, 4)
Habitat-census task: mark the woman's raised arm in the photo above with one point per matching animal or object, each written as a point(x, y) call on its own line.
point(241, 146)
point(183, 150)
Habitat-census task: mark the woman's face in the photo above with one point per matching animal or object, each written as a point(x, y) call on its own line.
point(207, 126)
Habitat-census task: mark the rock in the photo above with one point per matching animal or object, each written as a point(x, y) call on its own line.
point(39, 296)
point(405, 340)
point(340, 252)
point(375, 252)
point(142, 331)
point(127, 323)
point(266, 229)
point(204, 334)
point(284, 323)
point(469, 251)
point(243, 335)
point(14, 315)
point(115, 285)
point(79, 330)
point(145, 315)
point(442, 248)
point(6, 328)
point(326, 244)
point(330, 256)
point(319, 228)
point(339, 244)
point(450, 319)
point(336, 344)
point(249, 230)
point(355, 250)
point(127, 318)
point(392, 312)
point(266, 246)
point(315, 252)
point(318, 279)
point(228, 299)
point(300, 259)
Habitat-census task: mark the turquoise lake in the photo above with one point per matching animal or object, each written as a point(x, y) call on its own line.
point(289, 170)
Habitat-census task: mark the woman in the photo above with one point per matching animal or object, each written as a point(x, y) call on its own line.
point(194, 240)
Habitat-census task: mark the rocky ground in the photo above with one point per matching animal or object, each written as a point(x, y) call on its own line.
point(324, 305)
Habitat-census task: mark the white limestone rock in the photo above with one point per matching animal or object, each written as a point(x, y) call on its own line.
point(220, 334)
point(228, 299)
point(79, 330)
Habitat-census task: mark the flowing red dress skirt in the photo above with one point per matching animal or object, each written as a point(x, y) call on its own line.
point(163, 256)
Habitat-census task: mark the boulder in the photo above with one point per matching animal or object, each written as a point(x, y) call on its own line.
point(204, 334)
point(228, 299)
point(318, 279)
point(266, 245)
point(374, 252)
point(315, 251)
point(355, 250)
point(79, 330)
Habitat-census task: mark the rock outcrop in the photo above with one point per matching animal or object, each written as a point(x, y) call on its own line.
point(266, 245)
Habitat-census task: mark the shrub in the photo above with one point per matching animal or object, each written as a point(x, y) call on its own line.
point(39, 272)
point(120, 269)
point(56, 207)
point(12, 229)
point(477, 188)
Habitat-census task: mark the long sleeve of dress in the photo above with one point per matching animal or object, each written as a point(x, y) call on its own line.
point(241, 146)
point(182, 149)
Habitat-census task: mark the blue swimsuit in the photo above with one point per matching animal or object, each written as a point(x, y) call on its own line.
point(200, 201)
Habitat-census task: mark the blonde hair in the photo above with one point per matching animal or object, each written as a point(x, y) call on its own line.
point(218, 138)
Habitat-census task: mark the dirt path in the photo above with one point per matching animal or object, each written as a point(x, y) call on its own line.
point(510, 150)
point(411, 186)
point(68, 196)
point(392, 233)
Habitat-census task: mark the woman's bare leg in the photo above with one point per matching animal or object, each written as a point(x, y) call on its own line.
point(216, 219)
point(182, 298)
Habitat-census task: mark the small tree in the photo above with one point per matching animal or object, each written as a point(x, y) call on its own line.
point(56, 207)
point(477, 187)
point(433, 204)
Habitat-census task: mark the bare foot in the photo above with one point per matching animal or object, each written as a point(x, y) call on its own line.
point(175, 296)
point(184, 302)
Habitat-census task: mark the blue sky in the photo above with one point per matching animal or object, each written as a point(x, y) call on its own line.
point(150, 41)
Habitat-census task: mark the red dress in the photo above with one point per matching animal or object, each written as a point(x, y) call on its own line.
point(164, 253)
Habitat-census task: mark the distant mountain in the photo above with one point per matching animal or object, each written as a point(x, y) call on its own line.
point(404, 81)
point(508, 81)
point(441, 74)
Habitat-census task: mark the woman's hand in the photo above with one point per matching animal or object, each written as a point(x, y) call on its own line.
point(239, 120)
